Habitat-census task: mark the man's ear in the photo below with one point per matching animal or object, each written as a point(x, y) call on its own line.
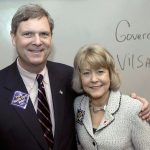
point(13, 39)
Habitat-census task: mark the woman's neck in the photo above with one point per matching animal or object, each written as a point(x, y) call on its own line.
point(100, 102)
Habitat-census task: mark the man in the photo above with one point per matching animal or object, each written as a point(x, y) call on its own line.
point(31, 33)
point(20, 126)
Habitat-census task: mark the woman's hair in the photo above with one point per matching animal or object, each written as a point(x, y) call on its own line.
point(97, 57)
point(30, 11)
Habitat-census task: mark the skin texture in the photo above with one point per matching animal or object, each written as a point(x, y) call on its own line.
point(33, 41)
point(96, 83)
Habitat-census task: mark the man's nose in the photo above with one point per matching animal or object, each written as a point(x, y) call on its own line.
point(37, 39)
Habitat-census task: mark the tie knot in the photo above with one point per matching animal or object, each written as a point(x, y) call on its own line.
point(39, 78)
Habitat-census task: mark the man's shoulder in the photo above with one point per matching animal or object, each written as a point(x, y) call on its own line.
point(8, 69)
point(58, 66)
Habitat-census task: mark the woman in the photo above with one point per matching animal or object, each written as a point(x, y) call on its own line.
point(105, 118)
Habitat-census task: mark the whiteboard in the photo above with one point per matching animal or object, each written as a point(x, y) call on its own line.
point(122, 26)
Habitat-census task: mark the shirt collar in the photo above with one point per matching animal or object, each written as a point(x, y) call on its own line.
point(30, 78)
point(113, 102)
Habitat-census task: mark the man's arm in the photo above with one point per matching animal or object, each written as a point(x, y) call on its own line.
point(145, 112)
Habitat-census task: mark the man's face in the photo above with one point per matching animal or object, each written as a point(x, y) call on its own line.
point(33, 41)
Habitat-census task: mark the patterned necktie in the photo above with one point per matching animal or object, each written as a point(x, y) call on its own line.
point(43, 113)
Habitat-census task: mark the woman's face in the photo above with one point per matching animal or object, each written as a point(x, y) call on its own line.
point(95, 82)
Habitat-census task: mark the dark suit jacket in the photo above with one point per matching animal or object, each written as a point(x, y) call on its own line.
point(19, 128)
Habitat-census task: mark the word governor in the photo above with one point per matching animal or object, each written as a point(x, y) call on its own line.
point(133, 62)
point(125, 24)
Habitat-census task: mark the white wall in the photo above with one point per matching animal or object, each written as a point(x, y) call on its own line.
point(122, 26)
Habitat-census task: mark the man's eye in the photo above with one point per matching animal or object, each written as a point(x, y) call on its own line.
point(44, 34)
point(28, 34)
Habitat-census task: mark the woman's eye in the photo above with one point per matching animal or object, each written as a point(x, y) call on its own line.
point(86, 73)
point(100, 71)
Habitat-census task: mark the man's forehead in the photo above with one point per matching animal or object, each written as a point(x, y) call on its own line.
point(35, 25)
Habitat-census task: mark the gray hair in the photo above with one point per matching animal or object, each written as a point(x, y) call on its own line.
point(30, 11)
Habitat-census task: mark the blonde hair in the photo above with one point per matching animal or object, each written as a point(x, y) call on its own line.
point(97, 57)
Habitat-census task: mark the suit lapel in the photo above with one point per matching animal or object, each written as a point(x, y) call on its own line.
point(57, 90)
point(28, 115)
point(87, 118)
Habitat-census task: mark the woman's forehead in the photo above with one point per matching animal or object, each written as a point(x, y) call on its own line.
point(94, 65)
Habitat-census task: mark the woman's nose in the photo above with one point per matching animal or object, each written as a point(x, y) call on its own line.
point(94, 77)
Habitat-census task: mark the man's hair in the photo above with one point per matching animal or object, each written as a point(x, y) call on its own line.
point(30, 11)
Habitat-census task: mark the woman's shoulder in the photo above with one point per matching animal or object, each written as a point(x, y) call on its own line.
point(130, 104)
point(78, 99)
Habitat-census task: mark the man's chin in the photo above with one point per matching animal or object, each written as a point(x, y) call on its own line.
point(37, 63)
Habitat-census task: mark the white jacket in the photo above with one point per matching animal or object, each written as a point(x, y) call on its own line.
point(121, 128)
